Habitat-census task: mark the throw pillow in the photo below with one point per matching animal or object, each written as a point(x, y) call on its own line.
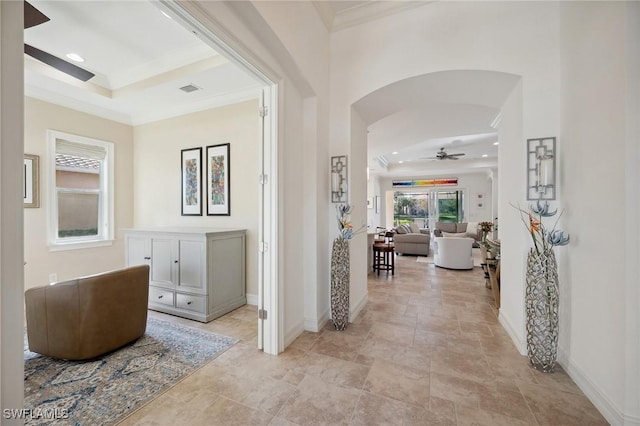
point(415, 229)
point(401, 230)
point(455, 234)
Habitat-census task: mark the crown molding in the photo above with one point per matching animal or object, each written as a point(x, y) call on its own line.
point(369, 11)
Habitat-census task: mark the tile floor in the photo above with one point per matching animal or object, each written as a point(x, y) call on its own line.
point(426, 350)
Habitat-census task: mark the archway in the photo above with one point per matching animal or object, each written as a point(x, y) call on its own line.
point(476, 104)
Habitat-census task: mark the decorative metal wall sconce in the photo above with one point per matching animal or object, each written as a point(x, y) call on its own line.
point(541, 169)
point(339, 184)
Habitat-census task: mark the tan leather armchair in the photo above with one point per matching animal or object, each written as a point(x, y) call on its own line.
point(88, 316)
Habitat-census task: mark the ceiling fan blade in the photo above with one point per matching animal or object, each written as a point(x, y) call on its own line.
point(33, 16)
point(455, 155)
point(57, 63)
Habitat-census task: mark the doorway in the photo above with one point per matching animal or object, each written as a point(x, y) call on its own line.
point(267, 300)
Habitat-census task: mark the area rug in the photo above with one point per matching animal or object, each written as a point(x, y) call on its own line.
point(103, 390)
point(475, 253)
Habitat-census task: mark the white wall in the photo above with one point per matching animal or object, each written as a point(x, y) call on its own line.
point(305, 39)
point(357, 198)
point(41, 116)
point(595, 280)
point(632, 246)
point(572, 60)
point(517, 38)
point(156, 155)
point(11, 222)
point(472, 184)
point(513, 235)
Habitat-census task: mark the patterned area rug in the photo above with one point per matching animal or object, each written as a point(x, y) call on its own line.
point(103, 390)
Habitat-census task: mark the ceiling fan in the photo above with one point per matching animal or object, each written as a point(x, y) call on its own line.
point(33, 17)
point(442, 155)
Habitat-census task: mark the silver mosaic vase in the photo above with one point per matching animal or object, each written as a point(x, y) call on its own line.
point(340, 284)
point(541, 300)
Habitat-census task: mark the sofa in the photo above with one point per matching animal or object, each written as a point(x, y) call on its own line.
point(460, 230)
point(88, 316)
point(453, 252)
point(410, 239)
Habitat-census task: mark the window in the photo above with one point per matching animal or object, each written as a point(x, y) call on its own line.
point(81, 191)
point(410, 208)
point(450, 206)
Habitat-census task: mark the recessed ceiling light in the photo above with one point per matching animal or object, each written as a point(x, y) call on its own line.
point(496, 143)
point(75, 57)
point(484, 155)
point(395, 152)
point(400, 161)
point(166, 15)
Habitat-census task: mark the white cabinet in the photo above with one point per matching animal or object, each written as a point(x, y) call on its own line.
point(194, 273)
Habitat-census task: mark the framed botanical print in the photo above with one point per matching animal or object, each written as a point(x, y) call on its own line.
point(191, 171)
point(218, 185)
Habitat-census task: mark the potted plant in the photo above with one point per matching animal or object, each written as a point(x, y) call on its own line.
point(340, 267)
point(541, 296)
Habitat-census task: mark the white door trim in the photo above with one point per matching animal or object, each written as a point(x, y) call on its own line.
point(212, 33)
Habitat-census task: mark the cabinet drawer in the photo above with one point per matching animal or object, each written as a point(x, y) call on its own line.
point(160, 296)
point(191, 302)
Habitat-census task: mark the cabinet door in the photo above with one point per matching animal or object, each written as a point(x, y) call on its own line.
point(191, 273)
point(162, 262)
point(138, 250)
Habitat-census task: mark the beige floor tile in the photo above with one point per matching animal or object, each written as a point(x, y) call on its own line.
point(338, 345)
point(464, 366)
point(427, 350)
point(476, 417)
point(409, 356)
point(318, 402)
point(555, 407)
point(398, 334)
point(223, 411)
point(398, 382)
point(378, 410)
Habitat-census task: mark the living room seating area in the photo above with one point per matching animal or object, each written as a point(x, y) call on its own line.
point(461, 230)
point(411, 239)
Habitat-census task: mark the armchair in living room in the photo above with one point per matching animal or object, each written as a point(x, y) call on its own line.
point(410, 239)
point(453, 252)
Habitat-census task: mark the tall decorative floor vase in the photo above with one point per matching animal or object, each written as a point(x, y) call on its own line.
point(541, 300)
point(340, 283)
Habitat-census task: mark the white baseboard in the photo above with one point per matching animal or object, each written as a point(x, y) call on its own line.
point(293, 333)
point(611, 413)
point(252, 299)
point(521, 346)
point(355, 311)
point(315, 325)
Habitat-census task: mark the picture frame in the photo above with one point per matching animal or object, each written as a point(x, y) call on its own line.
point(218, 178)
point(376, 203)
point(31, 181)
point(191, 181)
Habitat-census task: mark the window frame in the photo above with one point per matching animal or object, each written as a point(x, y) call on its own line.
point(106, 197)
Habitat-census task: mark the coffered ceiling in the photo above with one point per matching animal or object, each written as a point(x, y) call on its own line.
point(141, 58)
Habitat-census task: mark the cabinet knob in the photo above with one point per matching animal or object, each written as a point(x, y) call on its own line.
point(189, 302)
point(175, 261)
point(161, 296)
point(147, 258)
